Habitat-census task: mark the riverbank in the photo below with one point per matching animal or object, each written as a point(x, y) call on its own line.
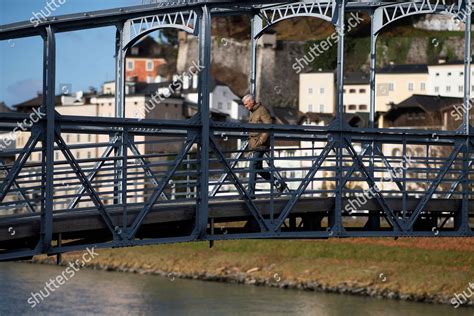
point(422, 270)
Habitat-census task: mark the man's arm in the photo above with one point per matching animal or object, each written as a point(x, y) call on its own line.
point(266, 119)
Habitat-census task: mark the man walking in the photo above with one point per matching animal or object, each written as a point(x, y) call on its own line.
point(259, 144)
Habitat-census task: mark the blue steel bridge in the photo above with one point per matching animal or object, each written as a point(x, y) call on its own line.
point(344, 181)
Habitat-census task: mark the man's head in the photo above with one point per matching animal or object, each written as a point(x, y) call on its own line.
point(249, 101)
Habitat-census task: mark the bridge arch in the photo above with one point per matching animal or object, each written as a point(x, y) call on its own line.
point(386, 15)
point(135, 29)
point(324, 10)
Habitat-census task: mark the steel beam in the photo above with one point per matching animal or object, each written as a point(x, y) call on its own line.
point(203, 104)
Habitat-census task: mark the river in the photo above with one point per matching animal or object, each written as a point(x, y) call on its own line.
point(91, 292)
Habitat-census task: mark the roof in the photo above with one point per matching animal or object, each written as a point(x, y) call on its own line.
point(404, 69)
point(287, 116)
point(4, 108)
point(36, 102)
point(448, 63)
point(146, 48)
point(426, 103)
point(356, 78)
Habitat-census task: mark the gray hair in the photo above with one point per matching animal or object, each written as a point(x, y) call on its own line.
point(248, 97)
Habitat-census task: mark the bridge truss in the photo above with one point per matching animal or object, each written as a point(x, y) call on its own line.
point(344, 185)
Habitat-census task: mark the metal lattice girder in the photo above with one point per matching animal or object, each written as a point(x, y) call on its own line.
point(21, 193)
point(137, 28)
point(87, 185)
point(387, 14)
point(390, 215)
point(18, 165)
point(317, 163)
point(145, 166)
point(159, 190)
point(429, 193)
point(232, 165)
point(248, 200)
point(324, 10)
point(91, 176)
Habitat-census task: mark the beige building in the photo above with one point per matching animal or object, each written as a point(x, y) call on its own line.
point(396, 83)
point(356, 93)
point(317, 92)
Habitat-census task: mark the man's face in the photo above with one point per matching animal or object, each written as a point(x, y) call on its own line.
point(249, 103)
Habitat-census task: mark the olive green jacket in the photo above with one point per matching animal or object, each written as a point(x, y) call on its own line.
point(259, 140)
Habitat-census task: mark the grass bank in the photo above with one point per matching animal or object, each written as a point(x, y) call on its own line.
point(431, 270)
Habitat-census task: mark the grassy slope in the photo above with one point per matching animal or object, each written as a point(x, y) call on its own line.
point(410, 266)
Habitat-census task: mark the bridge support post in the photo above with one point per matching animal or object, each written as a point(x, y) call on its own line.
point(255, 27)
point(461, 221)
point(119, 112)
point(49, 98)
point(203, 104)
point(373, 222)
point(335, 221)
point(120, 165)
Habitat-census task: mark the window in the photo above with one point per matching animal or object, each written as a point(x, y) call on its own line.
point(362, 91)
point(321, 108)
point(410, 86)
point(461, 88)
point(310, 108)
point(219, 105)
point(437, 89)
point(461, 73)
point(449, 74)
point(130, 65)
point(135, 50)
point(292, 174)
point(352, 107)
point(321, 90)
point(78, 138)
point(310, 90)
point(78, 155)
point(363, 107)
point(67, 138)
point(89, 138)
point(448, 88)
point(422, 86)
point(437, 74)
point(149, 65)
point(56, 156)
point(344, 90)
point(89, 155)
point(352, 90)
point(229, 106)
point(391, 87)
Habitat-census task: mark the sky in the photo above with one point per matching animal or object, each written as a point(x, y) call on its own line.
point(84, 58)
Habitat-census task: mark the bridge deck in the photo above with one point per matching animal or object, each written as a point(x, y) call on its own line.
point(88, 222)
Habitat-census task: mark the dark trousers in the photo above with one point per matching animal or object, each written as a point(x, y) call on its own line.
point(256, 166)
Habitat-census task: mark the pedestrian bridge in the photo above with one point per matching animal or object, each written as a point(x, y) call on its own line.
point(343, 181)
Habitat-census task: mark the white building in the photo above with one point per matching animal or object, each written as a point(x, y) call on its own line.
point(221, 99)
point(447, 79)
